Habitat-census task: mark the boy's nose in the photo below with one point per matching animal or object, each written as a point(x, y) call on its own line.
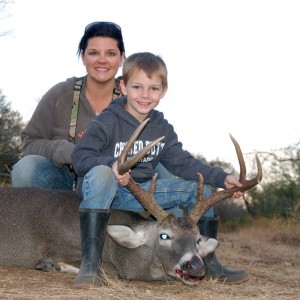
point(144, 93)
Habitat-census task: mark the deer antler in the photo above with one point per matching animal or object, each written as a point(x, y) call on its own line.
point(203, 205)
point(146, 198)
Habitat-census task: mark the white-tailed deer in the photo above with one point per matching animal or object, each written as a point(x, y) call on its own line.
point(37, 224)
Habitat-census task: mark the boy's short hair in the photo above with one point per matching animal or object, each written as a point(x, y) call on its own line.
point(148, 62)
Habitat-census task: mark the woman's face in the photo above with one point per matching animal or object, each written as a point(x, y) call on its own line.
point(102, 58)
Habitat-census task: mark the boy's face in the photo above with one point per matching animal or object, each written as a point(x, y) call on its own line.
point(143, 93)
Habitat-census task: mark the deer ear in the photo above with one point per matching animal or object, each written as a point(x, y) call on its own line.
point(125, 236)
point(207, 246)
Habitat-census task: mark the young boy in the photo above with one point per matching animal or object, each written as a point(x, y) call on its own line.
point(102, 188)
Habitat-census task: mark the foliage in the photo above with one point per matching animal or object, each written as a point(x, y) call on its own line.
point(280, 193)
point(230, 210)
point(10, 129)
point(278, 198)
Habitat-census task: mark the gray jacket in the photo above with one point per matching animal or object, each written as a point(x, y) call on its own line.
point(47, 131)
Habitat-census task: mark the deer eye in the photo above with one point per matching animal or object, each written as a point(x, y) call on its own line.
point(199, 241)
point(164, 236)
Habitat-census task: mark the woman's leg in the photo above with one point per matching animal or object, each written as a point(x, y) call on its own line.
point(39, 172)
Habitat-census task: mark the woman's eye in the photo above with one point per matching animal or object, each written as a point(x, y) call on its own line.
point(164, 236)
point(92, 53)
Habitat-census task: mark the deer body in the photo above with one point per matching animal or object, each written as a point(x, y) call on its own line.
point(37, 223)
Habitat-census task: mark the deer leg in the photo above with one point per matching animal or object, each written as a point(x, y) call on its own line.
point(93, 224)
point(208, 226)
point(47, 264)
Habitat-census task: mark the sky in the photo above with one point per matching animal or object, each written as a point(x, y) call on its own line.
point(234, 65)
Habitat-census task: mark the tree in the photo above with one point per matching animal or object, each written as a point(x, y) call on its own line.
point(4, 14)
point(11, 125)
point(279, 194)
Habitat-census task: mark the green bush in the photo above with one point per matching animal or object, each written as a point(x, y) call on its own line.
point(280, 198)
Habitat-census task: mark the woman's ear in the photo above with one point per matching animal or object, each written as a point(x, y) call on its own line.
point(82, 58)
point(123, 56)
point(123, 87)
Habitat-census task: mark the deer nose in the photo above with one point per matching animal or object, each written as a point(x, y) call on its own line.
point(194, 266)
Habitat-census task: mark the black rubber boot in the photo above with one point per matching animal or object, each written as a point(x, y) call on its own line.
point(93, 224)
point(213, 268)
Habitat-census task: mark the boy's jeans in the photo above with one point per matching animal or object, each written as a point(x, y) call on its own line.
point(40, 172)
point(170, 193)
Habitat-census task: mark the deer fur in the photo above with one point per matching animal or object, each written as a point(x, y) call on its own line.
point(41, 228)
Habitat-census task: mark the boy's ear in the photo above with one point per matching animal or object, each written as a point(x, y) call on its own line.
point(164, 91)
point(123, 88)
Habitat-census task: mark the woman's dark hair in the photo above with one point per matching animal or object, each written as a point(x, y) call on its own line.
point(105, 29)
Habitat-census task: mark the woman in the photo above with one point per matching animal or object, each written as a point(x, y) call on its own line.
point(65, 111)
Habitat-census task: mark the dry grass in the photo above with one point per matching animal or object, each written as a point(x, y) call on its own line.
point(268, 251)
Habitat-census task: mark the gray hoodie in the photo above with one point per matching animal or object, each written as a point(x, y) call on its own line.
point(108, 133)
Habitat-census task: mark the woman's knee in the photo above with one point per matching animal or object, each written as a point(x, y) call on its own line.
point(24, 172)
point(40, 172)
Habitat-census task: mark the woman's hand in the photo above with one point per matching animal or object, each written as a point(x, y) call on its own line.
point(122, 179)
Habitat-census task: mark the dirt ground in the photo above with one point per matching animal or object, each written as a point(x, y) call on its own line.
point(271, 258)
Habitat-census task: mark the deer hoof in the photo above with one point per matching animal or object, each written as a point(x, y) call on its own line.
point(46, 265)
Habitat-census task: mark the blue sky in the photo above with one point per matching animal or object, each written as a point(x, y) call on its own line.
point(233, 65)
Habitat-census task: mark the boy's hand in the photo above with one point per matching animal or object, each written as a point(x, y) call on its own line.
point(231, 181)
point(122, 179)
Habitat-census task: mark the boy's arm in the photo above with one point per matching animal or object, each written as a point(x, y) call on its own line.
point(88, 151)
point(181, 163)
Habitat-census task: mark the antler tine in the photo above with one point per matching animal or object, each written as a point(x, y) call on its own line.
point(124, 166)
point(145, 198)
point(203, 205)
point(240, 159)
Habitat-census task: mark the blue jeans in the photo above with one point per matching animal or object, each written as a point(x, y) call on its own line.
point(39, 172)
point(170, 193)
